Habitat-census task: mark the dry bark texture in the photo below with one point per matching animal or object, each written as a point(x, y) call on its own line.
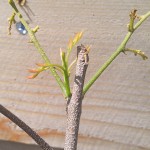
point(74, 107)
point(25, 127)
point(116, 112)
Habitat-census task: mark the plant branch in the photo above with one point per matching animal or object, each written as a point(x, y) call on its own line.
point(38, 46)
point(116, 53)
point(136, 52)
point(142, 19)
point(11, 21)
point(26, 128)
point(65, 73)
point(75, 104)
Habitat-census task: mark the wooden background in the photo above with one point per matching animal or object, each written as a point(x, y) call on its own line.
point(116, 110)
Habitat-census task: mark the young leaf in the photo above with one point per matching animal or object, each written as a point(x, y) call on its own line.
point(77, 37)
point(72, 43)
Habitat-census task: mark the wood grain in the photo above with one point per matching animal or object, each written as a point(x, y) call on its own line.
point(116, 111)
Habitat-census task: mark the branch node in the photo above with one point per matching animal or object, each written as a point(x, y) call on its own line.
point(132, 16)
point(35, 29)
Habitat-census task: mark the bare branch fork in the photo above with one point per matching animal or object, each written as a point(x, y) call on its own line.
point(26, 128)
point(74, 106)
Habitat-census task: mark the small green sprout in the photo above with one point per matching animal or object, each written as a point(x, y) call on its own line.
point(11, 20)
point(136, 52)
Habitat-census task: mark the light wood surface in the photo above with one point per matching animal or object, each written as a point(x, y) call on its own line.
point(116, 110)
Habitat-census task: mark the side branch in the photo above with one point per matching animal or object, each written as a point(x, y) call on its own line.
point(120, 49)
point(75, 104)
point(26, 128)
point(38, 46)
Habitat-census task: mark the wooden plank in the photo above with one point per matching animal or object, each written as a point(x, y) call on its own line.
point(116, 111)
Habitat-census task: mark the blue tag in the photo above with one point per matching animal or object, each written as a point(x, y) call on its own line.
point(21, 29)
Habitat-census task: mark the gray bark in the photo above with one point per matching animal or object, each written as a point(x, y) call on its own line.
point(26, 128)
point(75, 104)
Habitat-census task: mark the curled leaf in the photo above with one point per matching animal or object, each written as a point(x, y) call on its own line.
point(41, 65)
point(142, 54)
point(133, 16)
point(88, 48)
point(70, 44)
point(137, 52)
point(77, 37)
point(11, 20)
point(63, 60)
point(36, 71)
point(33, 70)
point(32, 76)
point(35, 29)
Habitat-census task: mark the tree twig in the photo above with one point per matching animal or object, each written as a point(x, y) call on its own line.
point(36, 43)
point(115, 54)
point(26, 128)
point(75, 104)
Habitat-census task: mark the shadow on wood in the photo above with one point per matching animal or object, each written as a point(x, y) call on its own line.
point(5, 145)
